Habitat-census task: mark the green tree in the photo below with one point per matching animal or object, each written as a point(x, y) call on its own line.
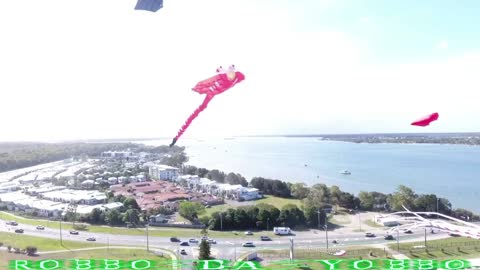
point(216, 175)
point(113, 217)
point(131, 203)
point(132, 216)
point(403, 196)
point(236, 179)
point(299, 190)
point(175, 160)
point(204, 253)
point(191, 210)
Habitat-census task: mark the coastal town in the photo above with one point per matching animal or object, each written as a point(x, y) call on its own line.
point(50, 190)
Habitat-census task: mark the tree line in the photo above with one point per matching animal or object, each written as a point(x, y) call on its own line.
point(21, 155)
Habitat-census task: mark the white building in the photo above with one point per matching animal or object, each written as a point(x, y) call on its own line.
point(163, 172)
point(90, 197)
point(248, 194)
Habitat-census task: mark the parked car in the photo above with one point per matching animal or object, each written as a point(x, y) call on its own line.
point(408, 231)
point(74, 232)
point(454, 234)
point(248, 233)
point(389, 237)
point(174, 239)
point(13, 223)
point(184, 244)
point(19, 230)
point(369, 234)
point(211, 241)
point(265, 238)
point(248, 244)
point(334, 242)
point(40, 228)
point(205, 238)
point(91, 239)
point(183, 252)
point(193, 241)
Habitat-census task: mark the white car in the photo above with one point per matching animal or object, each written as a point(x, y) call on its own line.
point(211, 241)
point(193, 241)
point(248, 244)
point(248, 233)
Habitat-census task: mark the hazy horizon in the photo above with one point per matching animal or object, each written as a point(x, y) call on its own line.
point(100, 69)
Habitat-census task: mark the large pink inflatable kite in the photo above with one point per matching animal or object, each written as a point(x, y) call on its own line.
point(224, 80)
point(425, 121)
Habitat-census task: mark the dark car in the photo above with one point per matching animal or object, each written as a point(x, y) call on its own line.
point(265, 238)
point(174, 239)
point(19, 230)
point(408, 231)
point(41, 228)
point(183, 252)
point(389, 237)
point(13, 223)
point(91, 239)
point(454, 234)
point(184, 244)
point(369, 234)
point(74, 232)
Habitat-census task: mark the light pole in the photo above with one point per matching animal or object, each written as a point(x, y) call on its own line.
point(326, 233)
point(221, 221)
point(398, 240)
point(146, 226)
point(318, 212)
point(425, 238)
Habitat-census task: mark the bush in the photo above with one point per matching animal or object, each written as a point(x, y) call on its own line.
point(80, 227)
point(31, 250)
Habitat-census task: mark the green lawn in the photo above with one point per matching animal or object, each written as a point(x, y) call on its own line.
point(119, 254)
point(278, 202)
point(454, 247)
point(43, 244)
point(372, 224)
point(275, 201)
point(153, 231)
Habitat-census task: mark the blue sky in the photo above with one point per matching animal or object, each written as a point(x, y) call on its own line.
point(100, 69)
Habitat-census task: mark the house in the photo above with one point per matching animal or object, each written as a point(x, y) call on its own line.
point(158, 219)
point(248, 194)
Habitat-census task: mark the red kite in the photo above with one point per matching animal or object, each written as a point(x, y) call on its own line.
point(425, 121)
point(224, 80)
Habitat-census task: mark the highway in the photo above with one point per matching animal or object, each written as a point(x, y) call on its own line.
point(226, 248)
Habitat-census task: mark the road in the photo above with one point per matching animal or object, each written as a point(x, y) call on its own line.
point(226, 248)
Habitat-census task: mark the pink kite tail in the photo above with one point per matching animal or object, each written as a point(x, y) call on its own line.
point(194, 115)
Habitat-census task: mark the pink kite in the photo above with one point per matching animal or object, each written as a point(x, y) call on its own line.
point(425, 121)
point(224, 80)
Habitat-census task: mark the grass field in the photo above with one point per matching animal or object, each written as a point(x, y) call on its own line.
point(119, 254)
point(43, 244)
point(450, 248)
point(372, 224)
point(275, 201)
point(159, 232)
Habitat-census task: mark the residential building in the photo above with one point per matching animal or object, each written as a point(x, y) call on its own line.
point(163, 172)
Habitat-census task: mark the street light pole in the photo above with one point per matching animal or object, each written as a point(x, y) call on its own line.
point(318, 212)
point(437, 205)
point(398, 240)
point(326, 233)
point(425, 238)
point(146, 226)
point(268, 221)
point(61, 240)
point(221, 221)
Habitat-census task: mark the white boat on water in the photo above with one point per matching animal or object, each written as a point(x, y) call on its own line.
point(345, 172)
